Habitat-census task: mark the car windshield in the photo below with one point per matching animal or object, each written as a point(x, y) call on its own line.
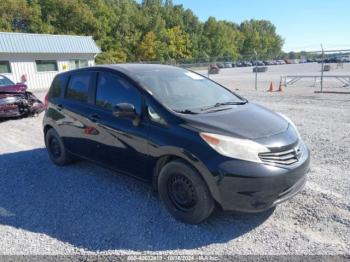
point(4, 81)
point(185, 91)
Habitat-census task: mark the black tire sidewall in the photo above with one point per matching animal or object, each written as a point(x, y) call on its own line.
point(64, 157)
point(205, 203)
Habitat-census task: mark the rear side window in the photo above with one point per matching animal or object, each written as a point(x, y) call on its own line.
point(78, 87)
point(112, 90)
point(57, 86)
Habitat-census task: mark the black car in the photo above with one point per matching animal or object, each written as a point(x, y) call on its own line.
point(246, 63)
point(259, 63)
point(199, 144)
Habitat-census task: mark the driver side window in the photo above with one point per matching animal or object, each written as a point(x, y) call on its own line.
point(112, 89)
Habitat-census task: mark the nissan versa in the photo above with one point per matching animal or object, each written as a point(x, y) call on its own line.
point(198, 143)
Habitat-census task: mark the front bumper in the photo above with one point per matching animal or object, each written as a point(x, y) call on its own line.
point(9, 111)
point(255, 187)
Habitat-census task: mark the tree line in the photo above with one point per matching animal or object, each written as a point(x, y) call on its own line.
point(153, 30)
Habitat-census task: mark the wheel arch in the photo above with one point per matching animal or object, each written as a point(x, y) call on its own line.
point(161, 162)
point(46, 128)
point(199, 167)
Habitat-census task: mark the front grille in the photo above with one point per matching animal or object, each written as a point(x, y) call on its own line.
point(287, 157)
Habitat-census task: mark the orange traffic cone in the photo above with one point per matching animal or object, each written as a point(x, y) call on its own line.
point(280, 89)
point(270, 88)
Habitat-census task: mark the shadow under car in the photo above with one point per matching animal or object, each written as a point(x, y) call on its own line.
point(92, 208)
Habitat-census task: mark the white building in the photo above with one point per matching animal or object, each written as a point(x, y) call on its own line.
point(41, 56)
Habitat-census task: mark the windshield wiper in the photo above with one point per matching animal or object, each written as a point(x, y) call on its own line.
point(185, 111)
point(225, 104)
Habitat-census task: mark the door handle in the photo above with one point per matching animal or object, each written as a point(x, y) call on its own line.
point(94, 117)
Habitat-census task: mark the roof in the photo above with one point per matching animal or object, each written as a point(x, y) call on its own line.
point(130, 69)
point(45, 43)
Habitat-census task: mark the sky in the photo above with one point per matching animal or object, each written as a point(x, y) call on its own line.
point(303, 24)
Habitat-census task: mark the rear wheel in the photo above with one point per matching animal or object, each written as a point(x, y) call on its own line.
point(184, 193)
point(56, 149)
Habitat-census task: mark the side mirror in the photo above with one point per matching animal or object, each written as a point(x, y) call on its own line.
point(127, 110)
point(124, 110)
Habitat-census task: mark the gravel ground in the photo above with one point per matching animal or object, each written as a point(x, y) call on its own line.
point(86, 209)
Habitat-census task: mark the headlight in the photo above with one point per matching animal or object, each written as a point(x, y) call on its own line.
point(292, 124)
point(235, 147)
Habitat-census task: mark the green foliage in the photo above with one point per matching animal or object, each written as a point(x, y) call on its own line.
point(176, 44)
point(151, 30)
point(19, 16)
point(221, 39)
point(147, 49)
point(111, 57)
point(261, 36)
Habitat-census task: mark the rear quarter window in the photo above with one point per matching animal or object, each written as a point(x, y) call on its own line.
point(78, 87)
point(57, 86)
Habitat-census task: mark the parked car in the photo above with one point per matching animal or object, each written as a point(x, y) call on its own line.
point(345, 59)
point(247, 63)
point(198, 143)
point(15, 101)
point(333, 60)
point(228, 65)
point(259, 63)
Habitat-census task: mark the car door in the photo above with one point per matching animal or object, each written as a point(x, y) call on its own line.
point(76, 127)
point(120, 143)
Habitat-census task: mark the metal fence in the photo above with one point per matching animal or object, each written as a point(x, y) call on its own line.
point(324, 70)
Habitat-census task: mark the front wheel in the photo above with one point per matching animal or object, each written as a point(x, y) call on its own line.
point(184, 193)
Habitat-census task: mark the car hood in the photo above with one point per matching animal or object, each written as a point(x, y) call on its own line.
point(250, 121)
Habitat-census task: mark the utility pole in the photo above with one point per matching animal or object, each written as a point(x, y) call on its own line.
point(322, 68)
point(256, 70)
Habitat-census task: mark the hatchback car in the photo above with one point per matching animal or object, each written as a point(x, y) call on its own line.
point(198, 143)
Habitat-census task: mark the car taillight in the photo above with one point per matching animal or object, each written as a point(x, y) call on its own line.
point(46, 103)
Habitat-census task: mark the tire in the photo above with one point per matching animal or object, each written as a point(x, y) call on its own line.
point(56, 149)
point(184, 193)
